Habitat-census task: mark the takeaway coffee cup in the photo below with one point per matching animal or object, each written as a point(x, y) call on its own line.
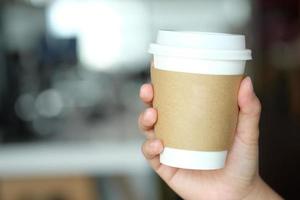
point(196, 78)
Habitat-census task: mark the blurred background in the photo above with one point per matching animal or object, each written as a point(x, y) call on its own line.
point(70, 72)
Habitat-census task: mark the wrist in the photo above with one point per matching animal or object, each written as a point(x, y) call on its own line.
point(261, 191)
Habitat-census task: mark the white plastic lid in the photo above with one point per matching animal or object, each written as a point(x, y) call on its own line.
point(201, 45)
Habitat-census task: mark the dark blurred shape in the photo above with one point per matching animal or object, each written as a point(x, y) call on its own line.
point(13, 128)
point(55, 52)
point(52, 55)
point(278, 58)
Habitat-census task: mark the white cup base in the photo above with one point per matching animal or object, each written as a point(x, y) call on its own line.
point(198, 160)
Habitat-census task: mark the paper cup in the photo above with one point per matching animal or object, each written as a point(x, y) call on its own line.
point(196, 77)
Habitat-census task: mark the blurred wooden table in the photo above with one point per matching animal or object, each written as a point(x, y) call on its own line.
point(101, 158)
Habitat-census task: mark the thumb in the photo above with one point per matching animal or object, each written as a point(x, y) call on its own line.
point(243, 157)
point(249, 115)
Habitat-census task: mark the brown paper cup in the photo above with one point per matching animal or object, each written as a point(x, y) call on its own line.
point(196, 101)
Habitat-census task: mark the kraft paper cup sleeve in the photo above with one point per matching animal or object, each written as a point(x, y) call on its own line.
point(195, 112)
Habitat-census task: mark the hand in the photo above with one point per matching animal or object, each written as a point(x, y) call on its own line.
point(239, 179)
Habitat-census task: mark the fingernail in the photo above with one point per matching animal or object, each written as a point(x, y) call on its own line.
point(147, 115)
point(249, 83)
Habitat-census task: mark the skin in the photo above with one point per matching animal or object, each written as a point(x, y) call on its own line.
point(239, 179)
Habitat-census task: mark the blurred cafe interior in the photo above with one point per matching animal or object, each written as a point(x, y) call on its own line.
point(70, 72)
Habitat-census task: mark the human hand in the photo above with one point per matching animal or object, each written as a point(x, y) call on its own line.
point(239, 179)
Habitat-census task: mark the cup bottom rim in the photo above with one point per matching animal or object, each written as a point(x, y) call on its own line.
point(197, 160)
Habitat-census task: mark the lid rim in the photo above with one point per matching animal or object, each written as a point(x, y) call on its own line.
point(215, 54)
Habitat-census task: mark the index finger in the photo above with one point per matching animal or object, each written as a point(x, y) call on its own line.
point(146, 93)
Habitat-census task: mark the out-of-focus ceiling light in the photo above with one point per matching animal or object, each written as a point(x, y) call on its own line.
point(111, 34)
point(96, 25)
point(100, 37)
point(64, 18)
